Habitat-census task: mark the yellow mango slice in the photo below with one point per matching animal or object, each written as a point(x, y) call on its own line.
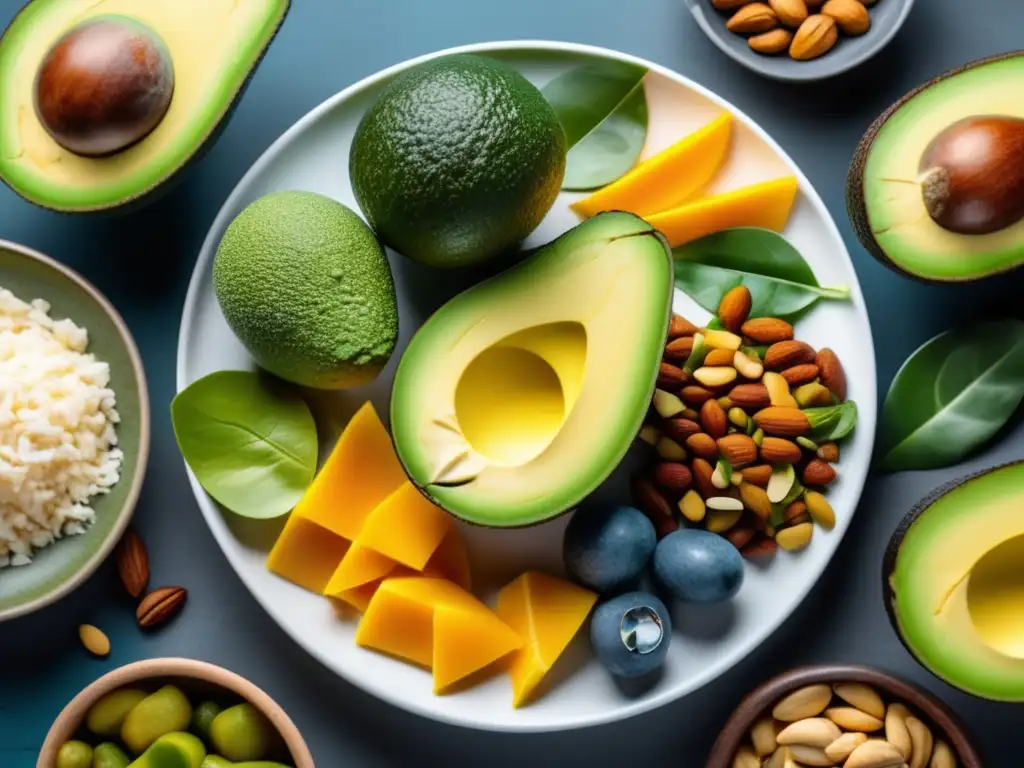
point(669, 177)
point(406, 527)
point(450, 560)
point(547, 613)
point(306, 553)
point(360, 473)
point(760, 205)
point(359, 597)
point(435, 624)
point(359, 566)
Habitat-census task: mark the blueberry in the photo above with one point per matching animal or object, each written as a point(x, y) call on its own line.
point(630, 634)
point(606, 548)
point(698, 567)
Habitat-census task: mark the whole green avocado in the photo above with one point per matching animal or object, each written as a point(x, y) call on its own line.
point(306, 287)
point(457, 161)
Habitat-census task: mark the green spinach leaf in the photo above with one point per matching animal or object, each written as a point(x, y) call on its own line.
point(250, 442)
point(833, 422)
point(952, 395)
point(781, 283)
point(603, 110)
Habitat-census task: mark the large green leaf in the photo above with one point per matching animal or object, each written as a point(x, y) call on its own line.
point(781, 283)
point(603, 110)
point(250, 441)
point(953, 394)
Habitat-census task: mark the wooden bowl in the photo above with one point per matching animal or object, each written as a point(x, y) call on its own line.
point(939, 717)
point(193, 676)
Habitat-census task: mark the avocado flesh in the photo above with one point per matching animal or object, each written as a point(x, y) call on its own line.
point(520, 396)
point(958, 584)
point(214, 46)
point(887, 204)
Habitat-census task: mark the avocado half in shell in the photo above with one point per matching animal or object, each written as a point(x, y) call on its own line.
point(936, 187)
point(521, 395)
point(954, 583)
point(98, 110)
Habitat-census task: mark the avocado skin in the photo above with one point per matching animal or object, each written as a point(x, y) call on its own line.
point(306, 287)
point(856, 207)
point(892, 549)
point(457, 161)
point(154, 193)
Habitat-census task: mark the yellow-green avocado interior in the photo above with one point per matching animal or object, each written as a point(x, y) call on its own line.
point(958, 585)
point(214, 46)
point(522, 394)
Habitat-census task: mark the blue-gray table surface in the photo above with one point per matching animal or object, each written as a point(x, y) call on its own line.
point(143, 262)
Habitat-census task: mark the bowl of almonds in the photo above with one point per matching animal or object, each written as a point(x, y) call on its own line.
point(850, 716)
point(800, 40)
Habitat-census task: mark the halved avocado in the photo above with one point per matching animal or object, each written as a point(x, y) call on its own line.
point(516, 399)
point(954, 583)
point(936, 187)
point(103, 102)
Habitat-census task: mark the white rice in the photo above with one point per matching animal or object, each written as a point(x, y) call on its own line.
point(58, 446)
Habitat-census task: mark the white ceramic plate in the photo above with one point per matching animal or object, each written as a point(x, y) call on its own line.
point(313, 155)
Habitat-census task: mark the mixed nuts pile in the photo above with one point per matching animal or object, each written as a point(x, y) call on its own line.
point(848, 724)
point(744, 422)
point(775, 26)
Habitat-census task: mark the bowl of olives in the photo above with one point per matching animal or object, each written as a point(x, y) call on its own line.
point(179, 712)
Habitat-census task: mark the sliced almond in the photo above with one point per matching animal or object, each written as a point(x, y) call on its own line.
point(811, 731)
point(779, 486)
point(778, 390)
point(874, 753)
point(843, 747)
point(692, 506)
point(809, 701)
point(896, 732)
point(724, 339)
point(650, 434)
point(667, 405)
point(94, 640)
point(863, 697)
point(762, 736)
point(795, 538)
point(715, 377)
point(747, 367)
point(852, 719)
point(670, 450)
point(921, 741)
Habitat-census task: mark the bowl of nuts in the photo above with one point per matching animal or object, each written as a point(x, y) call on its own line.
point(800, 40)
point(857, 717)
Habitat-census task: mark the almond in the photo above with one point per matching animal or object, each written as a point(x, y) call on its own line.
point(752, 19)
point(729, 5)
point(815, 38)
point(812, 394)
point(778, 390)
point(777, 450)
point(735, 305)
point(702, 472)
point(812, 731)
point(717, 339)
point(132, 562)
point(922, 740)
point(680, 326)
point(771, 42)
point(841, 748)
point(758, 475)
point(818, 472)
point(738, 449)
point(713, 419)
point(649, 499)
point(831, 372)
point(704, 446)
point(692, 506)
point(852, 719)
point(673, 476)
point(755, 499)
point(782, 422)
point(160, 606)
point(750, 396)
point(796, 513)
point(670, 377)
point(851, 15)
point(795, 538)
point(820, 511)
point(760, 547)
point(828, 452)
point(791, 13)
point(719, 357)
point(874, 753)
point(785, 354)
point(748, 366)
point(670, 450)
point(678, 350)
point(800, 374)
point(739, 536)
point(767, 330)
point(695, 396)
point(94, 640)
point(680, 429)
point(715, 379)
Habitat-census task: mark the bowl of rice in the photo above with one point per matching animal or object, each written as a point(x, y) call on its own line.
point(74, 429)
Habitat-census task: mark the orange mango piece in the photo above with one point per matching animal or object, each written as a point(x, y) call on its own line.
point(669, 177)
point(360, 473)
point(767, 205)
point(306, 553)
point(406, 527)
point(450, 560)
point(359, 566)
point(547, 612)
point(435, 624)
point(359, 597)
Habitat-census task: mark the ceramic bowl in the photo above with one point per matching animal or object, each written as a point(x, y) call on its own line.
point(938, 716)
point(57, 569)
point(887, 16)
point(196, 679)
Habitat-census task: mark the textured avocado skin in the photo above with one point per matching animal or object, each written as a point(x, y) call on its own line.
point(856, 206)
point(892, 549)
point(307, 288)
point(458, 160)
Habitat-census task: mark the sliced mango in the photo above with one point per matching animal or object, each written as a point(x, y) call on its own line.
point(360, 473)
point(547, 613)
point(669, 177)
point(760, 205)
point(435, 624)
point(359, 597)
point(359, 566)
point(406, 527)
point(450, 560)
point(306, 553)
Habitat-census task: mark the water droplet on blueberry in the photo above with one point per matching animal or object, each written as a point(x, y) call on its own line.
point(641, 630)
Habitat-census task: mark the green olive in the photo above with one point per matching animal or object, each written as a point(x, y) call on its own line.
point(202, 718)
point(258, 764)
point(104, 718)
point(216, 761)
point(109, 755)
point(241, 733)
point(173, 750)
point(164, 711)
point(74, 754)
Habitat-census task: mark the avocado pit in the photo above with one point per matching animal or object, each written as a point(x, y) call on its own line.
point(995, 596)
point(972, 175)
point(103, 86)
